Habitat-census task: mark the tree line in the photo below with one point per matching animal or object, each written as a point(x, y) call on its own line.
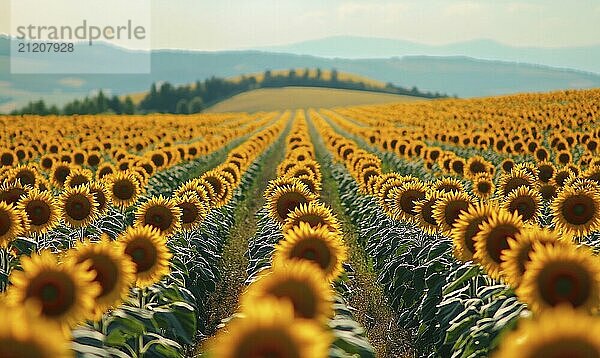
point(193, 98)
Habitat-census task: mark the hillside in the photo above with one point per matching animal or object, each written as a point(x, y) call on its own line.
point(259, 76)
point(584, 58)
point(271, 99)
point(463, 76)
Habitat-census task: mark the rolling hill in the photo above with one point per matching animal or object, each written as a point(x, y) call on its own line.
point(271, 99)
point(463, 76)
point(584, 58)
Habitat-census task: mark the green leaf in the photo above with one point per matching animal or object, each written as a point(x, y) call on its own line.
point(470, 273)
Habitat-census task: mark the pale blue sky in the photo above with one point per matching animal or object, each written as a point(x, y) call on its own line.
point(238, 24)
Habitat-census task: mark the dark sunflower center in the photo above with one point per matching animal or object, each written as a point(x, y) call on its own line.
point(7, 159)
point(5, 223)
point(61, 174)
point(497, 240)
point(408, 199)
point(427, 212)
point(100, 198)
point(567, 347)
point(267, 343)
point(189, 212)
point(159, 217)
point(514, 183)
point(26, 178)
point(524, 206)
point(312, 219)
point(107, 273)
point(143, 253)
point(12, 195)
point(54, 290)
point(578, 209)
point(288, 202)
point(124, 190)
point(13, 348)
point(78, 207)
point(565, 282)
point(477, 167)
point(453, 209)
point(301, 294)
point(79, 180)
point(483, 187)
point(38, 212)
point(315, 250)
point(470, 232)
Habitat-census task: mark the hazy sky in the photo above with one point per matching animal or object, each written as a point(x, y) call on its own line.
point(236, 24)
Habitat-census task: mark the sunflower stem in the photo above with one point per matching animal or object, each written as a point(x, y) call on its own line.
point(141, 294)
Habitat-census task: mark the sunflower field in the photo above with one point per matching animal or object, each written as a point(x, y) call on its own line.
point(446, 228)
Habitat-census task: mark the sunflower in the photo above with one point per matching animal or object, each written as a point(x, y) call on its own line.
point(493, 238)
point(193, 211)
point(299, 282)
point(194, 187)
point(448, 185)
point(124, 189)
point(24, 174)
point(319, 245)
point(561, 176)
point(507, 165)
point(149, 252)
point(286, 199)
point(561, 275)
point(270, 329)
point(576, 211)
point(11, 224)
point(59, 174)
point(311, 182)
point(315, 214)
point(483, 186)
point(525, 202)
point(23, 335)
point(448, 208)
point(278, 183)
point(548, 191)
point(65, 293)
point(405, 199)
point(515, 259)
point(546, 171)
point(12, 193)
point(592, 173)
point(77, 206)
point(7, 158)
point(114, 271)
point(424, 209)
point(105, 169)
point(476, 165)
point(467, 227)
point(41, 210)
point(78, 177)
point(162, 214)
point(561, 332)
point(101, 195)
point(47, 161)
point(221, 188)
point(514, 179)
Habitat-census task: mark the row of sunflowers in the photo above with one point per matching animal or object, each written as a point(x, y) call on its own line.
point(534, 253)
point(480, 219)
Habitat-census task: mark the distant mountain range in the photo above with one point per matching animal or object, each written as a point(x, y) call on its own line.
point(584, 58)
point(463, 76)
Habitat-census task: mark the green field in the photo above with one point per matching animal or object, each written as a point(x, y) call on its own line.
point(270, 99)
